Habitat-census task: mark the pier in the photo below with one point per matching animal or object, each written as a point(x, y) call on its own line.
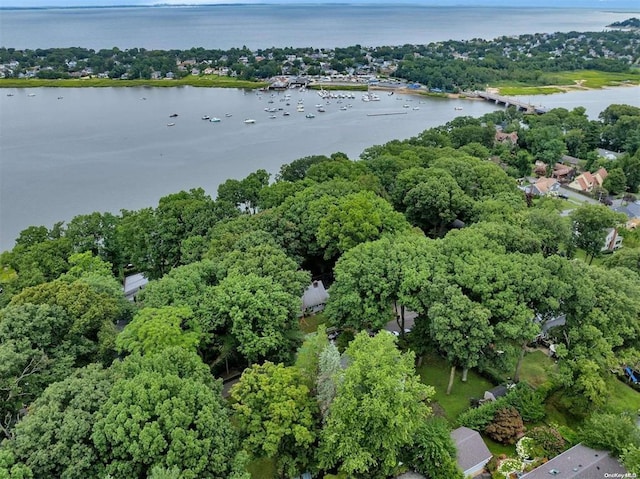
point(508, 101)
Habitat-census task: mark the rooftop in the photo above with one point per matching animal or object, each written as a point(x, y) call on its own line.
point(579, 462)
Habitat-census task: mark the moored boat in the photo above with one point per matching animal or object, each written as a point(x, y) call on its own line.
point(215, 120)
point(249, 121)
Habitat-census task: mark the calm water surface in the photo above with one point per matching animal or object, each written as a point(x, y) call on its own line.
point(106, 149)
point(261, 26)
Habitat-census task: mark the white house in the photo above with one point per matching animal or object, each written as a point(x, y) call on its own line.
point(613, 241)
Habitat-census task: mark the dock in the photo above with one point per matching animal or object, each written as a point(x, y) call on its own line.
point(387, 114)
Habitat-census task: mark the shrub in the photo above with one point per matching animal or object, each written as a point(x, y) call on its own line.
point(506, 427)
point(612, 432)
point(528, 401)
point(482, 416)
point(527, 449)
point(508, 466)
point(548, 440)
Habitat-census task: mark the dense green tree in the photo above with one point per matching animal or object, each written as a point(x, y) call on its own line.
point(590, 224)
point(329, 374)
point(624, 258)
point(97, 233)
point(379, 406)
point(166, 410)
point(434, 203)
point(612, 432)
point(276, 416)
point(308, 356)
point(460, 328)
point(297, 169)
point(355, 219)
point(246, 192)
point(615, 182)
point(259, 314)
point(265, 260)
point(372, 281)
point(154, 329)
point(631, 168)
point(434, 451)
point(152, 238)
point(553, 230)
point(54, 439)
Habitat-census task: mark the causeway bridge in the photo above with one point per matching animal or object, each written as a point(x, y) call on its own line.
point(508, 101)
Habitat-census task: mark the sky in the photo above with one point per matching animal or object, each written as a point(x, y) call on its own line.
point(617, 4)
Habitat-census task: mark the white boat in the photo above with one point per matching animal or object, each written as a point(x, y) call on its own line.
point(171, 124)
point(343, 108)
point(405, 106)
point(215, 120)
point(206, 117)
point(31, 94)
point(416, 107)
point(300, 108)
point(458, 108)
point(321, 110)
point(249, 121)
point(310, 115)
point(228, 115)
point(272, 117)
point(286, 113)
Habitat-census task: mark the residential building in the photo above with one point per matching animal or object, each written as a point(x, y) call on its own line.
point(314, 298)
point(613, 241)
point(563, 173)
point(579, 462)
point(586, 182)
point(511, 138)
point(543, 187)
point(472, 453)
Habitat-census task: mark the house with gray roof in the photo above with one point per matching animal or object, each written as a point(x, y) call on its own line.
point(472, 453)
point(579, 462)
point(133, 284)
point(315, 297)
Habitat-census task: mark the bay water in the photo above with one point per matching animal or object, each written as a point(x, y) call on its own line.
point(65, 152)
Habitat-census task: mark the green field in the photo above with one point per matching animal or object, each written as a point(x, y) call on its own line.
point(536, 368)
point(435, 372)
point(562, 81)
point(210, 81)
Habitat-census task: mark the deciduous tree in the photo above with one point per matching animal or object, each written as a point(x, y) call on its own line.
point(379, 406)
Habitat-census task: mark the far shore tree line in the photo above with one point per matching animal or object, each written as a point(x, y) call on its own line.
point(95, 386)
point(532, 59)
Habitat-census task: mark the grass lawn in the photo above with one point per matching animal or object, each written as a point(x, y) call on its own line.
point(536, 368)
point(496, 448)
point(435, 372)
point(309, 324)
point(592, 78)
point(582, 255)
point(262, 469)
point(623, 397)
point(197, 81)
point(529, 90)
